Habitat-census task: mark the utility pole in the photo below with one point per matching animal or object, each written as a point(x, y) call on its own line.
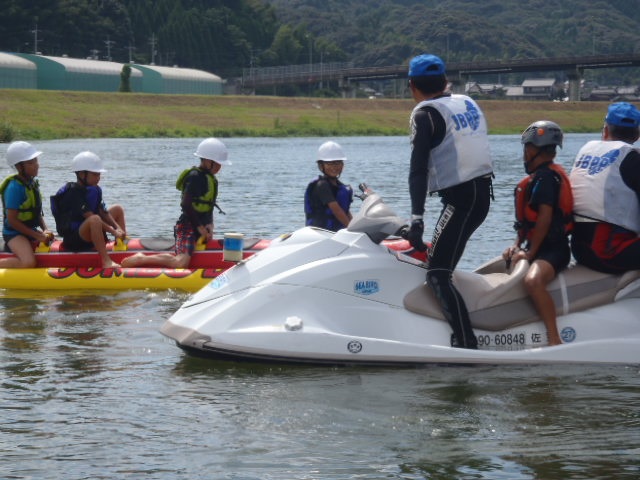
point(35, 38)
point(131, 48)
point(153, 48)
point(108, 43)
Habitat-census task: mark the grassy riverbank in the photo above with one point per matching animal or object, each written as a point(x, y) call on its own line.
point(39, 115)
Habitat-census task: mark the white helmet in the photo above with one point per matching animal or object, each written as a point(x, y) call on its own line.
point(87, 161)
point(213, 149)
point(21, 152)
point(330, 151)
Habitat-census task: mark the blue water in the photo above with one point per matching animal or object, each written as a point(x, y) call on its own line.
point(89, 389)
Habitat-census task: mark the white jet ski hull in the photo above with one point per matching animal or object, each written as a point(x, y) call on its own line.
point(319, 297)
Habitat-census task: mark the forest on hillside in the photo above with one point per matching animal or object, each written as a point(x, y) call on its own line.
point(225, 36)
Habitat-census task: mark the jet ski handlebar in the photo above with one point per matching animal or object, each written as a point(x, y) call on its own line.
point(375, 218)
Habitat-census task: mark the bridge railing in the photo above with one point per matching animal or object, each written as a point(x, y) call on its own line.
point(314, 72)
point(288, 72)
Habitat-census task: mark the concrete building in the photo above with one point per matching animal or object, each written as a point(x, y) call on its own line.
point(541, 88)
point(535, 89)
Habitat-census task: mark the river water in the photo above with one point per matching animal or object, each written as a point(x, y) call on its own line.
point(89, 389)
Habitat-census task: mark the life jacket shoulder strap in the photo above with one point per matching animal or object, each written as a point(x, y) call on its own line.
point(183, 176)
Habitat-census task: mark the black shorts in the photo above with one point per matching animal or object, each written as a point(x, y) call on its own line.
point(557, 255)
point(73, 242)
point(8, 238)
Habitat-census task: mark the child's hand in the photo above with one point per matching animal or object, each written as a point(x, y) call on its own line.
point(46, 237)
point(119, 233)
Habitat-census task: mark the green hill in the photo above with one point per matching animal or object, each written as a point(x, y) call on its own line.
point(223, 37)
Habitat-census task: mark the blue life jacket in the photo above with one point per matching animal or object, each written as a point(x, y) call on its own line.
point(322, 216)
point(64, 218)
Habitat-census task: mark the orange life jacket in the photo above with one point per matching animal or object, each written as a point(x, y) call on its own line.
point(526, 216)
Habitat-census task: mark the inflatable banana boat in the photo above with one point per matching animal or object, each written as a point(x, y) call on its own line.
point(59, 269)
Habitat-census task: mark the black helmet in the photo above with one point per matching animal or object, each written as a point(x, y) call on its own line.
point(542, 133)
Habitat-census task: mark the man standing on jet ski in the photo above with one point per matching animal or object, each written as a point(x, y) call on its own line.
point(449, 156)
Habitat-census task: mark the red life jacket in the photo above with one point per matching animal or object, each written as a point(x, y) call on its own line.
point(526, 216)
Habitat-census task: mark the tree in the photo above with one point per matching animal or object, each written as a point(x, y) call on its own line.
point(125, 79)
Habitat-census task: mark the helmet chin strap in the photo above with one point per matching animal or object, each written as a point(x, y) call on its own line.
point(322, 169)
point(527, 163)
point(212, 166)
point(23, 173)
point(83, 177)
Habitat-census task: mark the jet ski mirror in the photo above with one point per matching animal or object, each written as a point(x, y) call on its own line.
point(366, 191)
point(375, 218)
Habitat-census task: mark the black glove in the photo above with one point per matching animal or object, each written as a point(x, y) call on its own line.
point(415, 235)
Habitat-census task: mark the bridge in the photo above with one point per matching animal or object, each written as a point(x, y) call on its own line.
point(458, 73)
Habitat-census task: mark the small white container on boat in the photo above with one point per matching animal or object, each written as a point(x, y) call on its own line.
point(232, 247)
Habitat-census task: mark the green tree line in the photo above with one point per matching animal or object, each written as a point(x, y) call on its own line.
point(225, 36)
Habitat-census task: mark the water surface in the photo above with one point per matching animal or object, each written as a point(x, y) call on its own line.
point(89, 389)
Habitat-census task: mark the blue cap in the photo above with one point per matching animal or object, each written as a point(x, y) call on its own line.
point(623, 114)
point(426, 65)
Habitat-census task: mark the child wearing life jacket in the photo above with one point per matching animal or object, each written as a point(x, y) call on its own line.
point(82, 217)
point(199, 187)
point(327, 199)
point(544, 205)
point(23, 224)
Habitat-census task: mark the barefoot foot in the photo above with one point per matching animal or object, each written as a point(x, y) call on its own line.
point(131, 261)
point(110, 264)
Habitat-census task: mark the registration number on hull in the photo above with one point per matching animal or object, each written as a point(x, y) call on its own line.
point(517, 339)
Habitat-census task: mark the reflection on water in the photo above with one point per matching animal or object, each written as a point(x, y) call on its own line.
point(90, 389)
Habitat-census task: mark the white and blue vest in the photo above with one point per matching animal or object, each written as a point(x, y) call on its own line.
point(599, 192)
point(464, 152)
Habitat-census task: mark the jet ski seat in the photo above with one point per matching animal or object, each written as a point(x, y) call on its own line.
point(496, 299)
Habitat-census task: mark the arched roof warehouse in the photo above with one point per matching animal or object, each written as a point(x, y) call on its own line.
point(63, 73)
point(176, 80)
point(16, 72)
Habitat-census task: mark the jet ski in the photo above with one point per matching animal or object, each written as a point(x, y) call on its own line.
point(318, 297)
